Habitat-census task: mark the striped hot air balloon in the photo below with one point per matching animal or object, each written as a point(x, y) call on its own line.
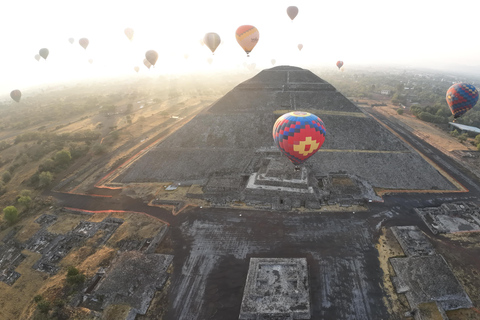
point(299, 135)
point(461, 97)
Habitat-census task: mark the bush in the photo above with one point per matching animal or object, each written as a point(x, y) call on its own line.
point(38, 298)
point(74, 277)
point(44, 179)
point(10, 214)
point(400, 111)
point(6, 176)
point(43, 306)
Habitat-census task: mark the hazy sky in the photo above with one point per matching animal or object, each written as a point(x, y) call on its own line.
point(409, 32)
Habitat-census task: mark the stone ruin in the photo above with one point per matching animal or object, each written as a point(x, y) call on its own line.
point(10, 257)
point(132, 279)
point(276, 288)
point(424, 276)
point(451, 217)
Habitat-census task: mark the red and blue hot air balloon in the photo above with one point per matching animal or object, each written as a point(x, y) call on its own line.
point(461, 97)
point(299, 135)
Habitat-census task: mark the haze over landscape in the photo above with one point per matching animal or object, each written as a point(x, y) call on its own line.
point(376, 33)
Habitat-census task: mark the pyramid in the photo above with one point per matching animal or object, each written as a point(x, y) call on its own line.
point(232, 139)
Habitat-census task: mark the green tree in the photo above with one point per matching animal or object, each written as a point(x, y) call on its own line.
point(63, 157)
point(74, 277)
point(44, 179)
point(43, 306)
point(6, 176)
point(463, 137)
point(10, 214)
point(25, 201)
point(400, 111)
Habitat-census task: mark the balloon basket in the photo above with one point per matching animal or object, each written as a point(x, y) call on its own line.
point(297, 168)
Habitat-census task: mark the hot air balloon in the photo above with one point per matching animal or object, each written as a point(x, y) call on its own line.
point(247, 37)
point(146, 63)
point(273, 61)
point(84, 43)
point(186, 55)
point(90, 61)
point(129, 33)
point(43, 53)
point(298, 135)
point(37, 57)
point(209, 60)
point(300, 47)
point(339, 64)
point(461, 97)
point(292, 12)
point(16, 95)
point(212, 40)
point(71, 40)
point(152, 56)
point(136, 69)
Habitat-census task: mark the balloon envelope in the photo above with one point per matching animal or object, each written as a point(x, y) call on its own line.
point(299, 135)
point(292, 12)
point(152, 56)
point(90, 61)
point(247, 37)
point(84, 43)
point(273, 61)
point(129, 33)
point(461, 97)
point(136, 69)
point(16, 95)
point(37, 57)
point(339, 64)
point(212, 40)
point(300, 47)
point(146, 63)
point(43, 53)
point(71, 40)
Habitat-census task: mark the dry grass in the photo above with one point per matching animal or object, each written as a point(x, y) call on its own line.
point(429, 311)
point(387, 248)
point(115, 312)
point(14, 299)
point(66, 222)
point(464, 314)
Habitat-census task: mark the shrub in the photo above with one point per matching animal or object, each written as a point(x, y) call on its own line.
point(6, 176)
point(400, 111)
point(11, 214)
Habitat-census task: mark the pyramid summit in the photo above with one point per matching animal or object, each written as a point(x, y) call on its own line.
point(228, 149)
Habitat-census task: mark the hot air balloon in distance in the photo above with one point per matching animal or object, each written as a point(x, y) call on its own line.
point(292, 12)
point(129, 33)
point(212, 40)
point(16, 95)
point(273, 61)
point(84, 43)
point(461, 97)
point(71, 40)
point(136, 68)
point(299, 135)
point(247, 37)
point(37, 57)
point(90, 61)
point(146, 63)
point(44, 53)
point(209, 60)
point(300, 47)
point(152, 56)
point(186, 55)
point(339, 64)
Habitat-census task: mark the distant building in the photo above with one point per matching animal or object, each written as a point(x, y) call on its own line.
point(463, 128)
point(385, 92)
